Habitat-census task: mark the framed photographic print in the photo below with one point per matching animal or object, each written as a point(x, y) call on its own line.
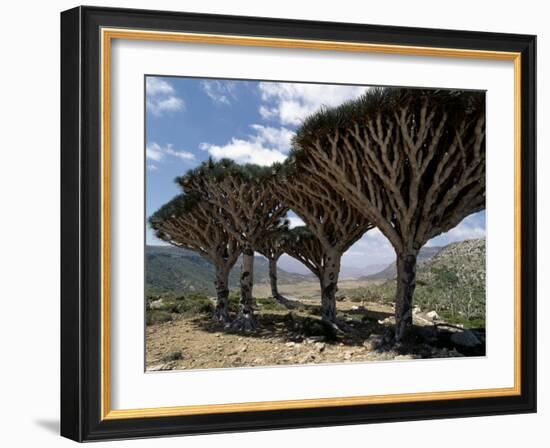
point(276, 224)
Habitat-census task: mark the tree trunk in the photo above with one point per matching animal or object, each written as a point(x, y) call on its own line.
point(273, 278)
point(406, 282)
point(329, 286)
point(245, 319)
point(222, 290)
point(274, 289)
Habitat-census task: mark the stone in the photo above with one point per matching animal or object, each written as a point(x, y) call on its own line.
point(156, 304)
point(387, 320)
point(320, 346)
point(465, 338)
point(159, 367)
point(432, 315)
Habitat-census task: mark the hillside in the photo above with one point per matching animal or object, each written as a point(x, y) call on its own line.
point(425, 254)
point(173, 271)
point(451, 282)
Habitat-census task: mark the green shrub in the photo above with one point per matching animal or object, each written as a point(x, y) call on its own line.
point(269, 304)
point(173, 356)
point(191, 304)
point(153, 317)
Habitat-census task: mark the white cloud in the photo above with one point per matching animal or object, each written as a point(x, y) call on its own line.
point(295, 221)
point(372, 248)
point(221, 92)
point(161, 96)
point(153, 151)
point(265, 147)
point(278, 138)
point(156, 152)
point(152, 167)
point(292, 102)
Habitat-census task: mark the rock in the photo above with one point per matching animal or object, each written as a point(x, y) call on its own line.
point(156, 304)
point(244, 349)
point(465, 338)
point(307, 358)
point(290, 344)
point(159, 367)
point(370, 343)
point(348, 355)
point(320, 346)
point(387, 320)
point(416, 310)
point(355, 308)
point(432, 315)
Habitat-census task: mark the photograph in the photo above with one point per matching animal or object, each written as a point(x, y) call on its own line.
point(294, 223)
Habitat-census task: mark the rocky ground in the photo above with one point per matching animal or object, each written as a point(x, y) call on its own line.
point(294, 336)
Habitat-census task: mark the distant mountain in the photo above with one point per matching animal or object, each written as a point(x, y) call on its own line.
point(170, 270)
point(462, 264)
point(425, 254)
point(451, 282)
point(356, 272)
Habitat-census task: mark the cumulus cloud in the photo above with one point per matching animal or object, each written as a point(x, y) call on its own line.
point(161, 96)
point(265, 146)
point(220, 92)
point(156, 152)
point(290, 103)
point(295, 221)
point(372, 248)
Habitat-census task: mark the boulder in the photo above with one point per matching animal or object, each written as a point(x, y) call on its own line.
point(156, 304)
point(466, 339)
point(432, 315)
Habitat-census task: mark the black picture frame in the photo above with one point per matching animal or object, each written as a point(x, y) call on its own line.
point(81, 224)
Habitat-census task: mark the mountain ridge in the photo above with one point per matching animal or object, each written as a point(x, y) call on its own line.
point(175, 271)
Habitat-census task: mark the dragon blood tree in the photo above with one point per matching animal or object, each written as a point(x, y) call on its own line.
point(334, 222)
point(244, 205)
point(411, 161)
point(300, 243)
point(186, 221)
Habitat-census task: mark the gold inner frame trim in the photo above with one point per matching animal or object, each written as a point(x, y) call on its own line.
point(107, 35)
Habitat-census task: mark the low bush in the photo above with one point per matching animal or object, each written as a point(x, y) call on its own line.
point(173, 356)
point(153, 317)
point(269, 304)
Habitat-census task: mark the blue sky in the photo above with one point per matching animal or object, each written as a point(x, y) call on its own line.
point(191, 119)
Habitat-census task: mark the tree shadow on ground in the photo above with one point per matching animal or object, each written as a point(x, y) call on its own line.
point(362, 326)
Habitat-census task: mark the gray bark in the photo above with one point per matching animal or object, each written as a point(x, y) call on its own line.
point(245, 320)
point(406, 283)
point(274, 288)
point(222, 290)
point(273, 278)
point(329, 281)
